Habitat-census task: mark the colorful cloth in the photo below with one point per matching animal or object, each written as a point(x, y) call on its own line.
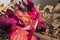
point(35, 14)
point(13, 31)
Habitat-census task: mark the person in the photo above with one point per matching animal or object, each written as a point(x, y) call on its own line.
point(34, 13)
point(17, 6)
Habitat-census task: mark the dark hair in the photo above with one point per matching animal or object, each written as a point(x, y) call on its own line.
point(30, 6)
point(10, 13)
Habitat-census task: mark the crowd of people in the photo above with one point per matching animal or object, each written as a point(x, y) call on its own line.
point(20, 23)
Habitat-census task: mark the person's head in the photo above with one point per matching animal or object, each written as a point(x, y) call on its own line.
point(9, 13)
point(30, 6)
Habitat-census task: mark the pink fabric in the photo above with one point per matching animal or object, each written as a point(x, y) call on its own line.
point(16, 32)
point(32, 14)
point(20, 34)
point(29, 0)
point(36, 15)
